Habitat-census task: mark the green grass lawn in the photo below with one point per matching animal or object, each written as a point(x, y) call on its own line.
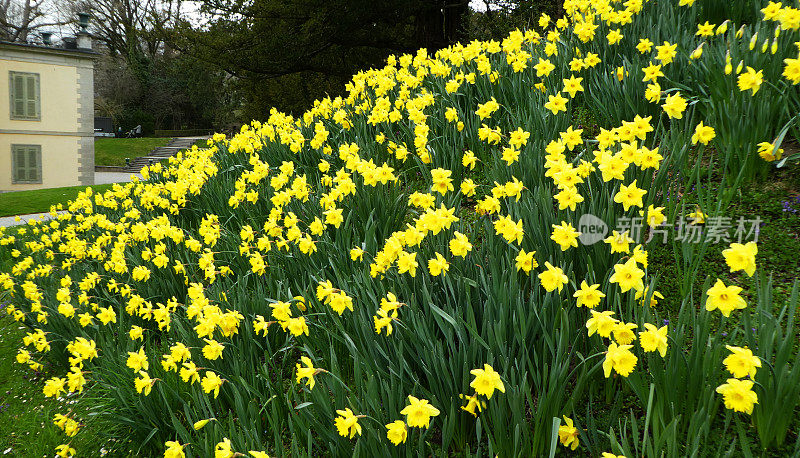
point(26, 416)
point(113, 151)
point(40, 200)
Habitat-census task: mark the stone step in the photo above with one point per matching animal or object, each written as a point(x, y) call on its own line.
point(136, 163)
point(161, 153)
point(168, 152)
point(181, 143)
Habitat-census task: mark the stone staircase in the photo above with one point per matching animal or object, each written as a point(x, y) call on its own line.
point(162, 152)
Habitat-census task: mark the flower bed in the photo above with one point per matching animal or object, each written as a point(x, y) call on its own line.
point(445, 261)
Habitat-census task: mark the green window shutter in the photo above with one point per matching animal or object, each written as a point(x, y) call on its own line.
point(29, 164)
point(33, 164)
point(18, 166)
point(18, 95)
point(26, 163)
point(25, 100)
point(37, 151)
point(30, 96)
point(38, 109)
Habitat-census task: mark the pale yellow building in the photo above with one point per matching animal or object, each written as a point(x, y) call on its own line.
point(46, 116)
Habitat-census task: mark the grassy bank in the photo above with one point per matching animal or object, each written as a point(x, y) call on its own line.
point(113, 151)
point(40, 200)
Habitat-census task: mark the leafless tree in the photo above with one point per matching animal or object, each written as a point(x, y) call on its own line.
point(19, 19)
point(115, 86)
point(130, 28)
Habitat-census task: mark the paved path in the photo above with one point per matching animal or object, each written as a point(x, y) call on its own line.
point(99, 178)
point(8, 221)
point(114, 177)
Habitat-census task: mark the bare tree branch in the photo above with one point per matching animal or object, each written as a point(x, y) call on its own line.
point(19, 19)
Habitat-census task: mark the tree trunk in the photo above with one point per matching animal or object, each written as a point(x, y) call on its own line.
point(439, 24)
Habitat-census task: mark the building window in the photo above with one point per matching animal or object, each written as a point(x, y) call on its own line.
point(24, 96)
point(26, 163)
